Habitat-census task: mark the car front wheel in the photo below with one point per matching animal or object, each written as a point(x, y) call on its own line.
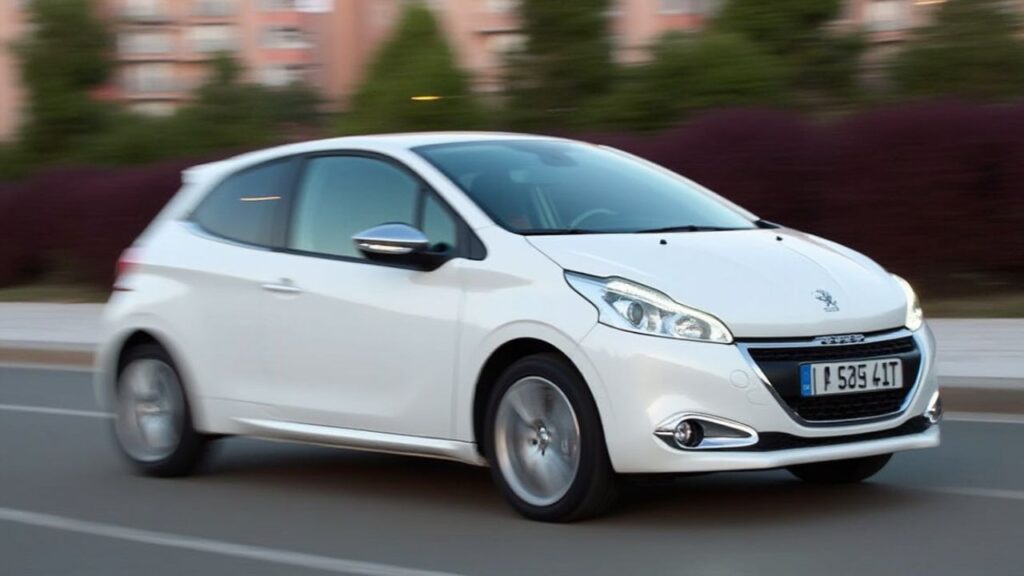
point(841, 471)
point(545, 443)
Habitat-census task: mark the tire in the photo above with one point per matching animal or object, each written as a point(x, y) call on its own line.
point(153, 418)
point(840, 471)
point(565, 440)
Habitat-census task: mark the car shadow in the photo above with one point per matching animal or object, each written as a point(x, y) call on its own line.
point(714, 500)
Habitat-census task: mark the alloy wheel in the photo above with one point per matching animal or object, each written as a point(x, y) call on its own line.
point(537, 441)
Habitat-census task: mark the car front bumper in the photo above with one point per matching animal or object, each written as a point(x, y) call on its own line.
point(647, 381)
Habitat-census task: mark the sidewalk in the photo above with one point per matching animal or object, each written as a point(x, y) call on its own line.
point(980, 362)
point(60, 334)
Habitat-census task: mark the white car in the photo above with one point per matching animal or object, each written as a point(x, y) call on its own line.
point(564, 312)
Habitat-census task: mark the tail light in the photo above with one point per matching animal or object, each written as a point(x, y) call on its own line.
point(125, 264)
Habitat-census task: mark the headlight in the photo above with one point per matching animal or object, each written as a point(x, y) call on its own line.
point(915, 316)
point(637, 308)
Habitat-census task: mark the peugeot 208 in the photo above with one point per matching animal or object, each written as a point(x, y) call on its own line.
point(562, 312)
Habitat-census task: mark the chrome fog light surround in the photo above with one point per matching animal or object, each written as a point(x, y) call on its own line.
point(703, 432)
point(934, 411)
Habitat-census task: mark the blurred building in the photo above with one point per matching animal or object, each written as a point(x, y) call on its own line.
point(163, 47)
point(12, 25)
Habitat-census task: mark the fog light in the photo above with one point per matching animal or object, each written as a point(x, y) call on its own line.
point(704, 432)
point(934, 411)
point(688, 434)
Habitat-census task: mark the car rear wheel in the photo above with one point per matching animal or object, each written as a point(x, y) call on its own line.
point(841, 471)
point(545, 443)
point(153, 421)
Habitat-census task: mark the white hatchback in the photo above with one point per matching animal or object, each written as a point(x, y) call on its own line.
point(563, 312)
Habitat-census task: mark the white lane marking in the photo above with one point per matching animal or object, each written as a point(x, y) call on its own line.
point(258, 553)
point(55, 411)
point(42, 367)
point(984, 417)
point(980, 492)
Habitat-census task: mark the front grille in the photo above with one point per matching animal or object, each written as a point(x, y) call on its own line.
point(782, 368)
point(830, 353)
point(849, 406)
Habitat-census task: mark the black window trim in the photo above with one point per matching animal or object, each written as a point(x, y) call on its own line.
point(469, 246)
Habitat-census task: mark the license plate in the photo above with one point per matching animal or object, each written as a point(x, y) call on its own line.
point(851, 377)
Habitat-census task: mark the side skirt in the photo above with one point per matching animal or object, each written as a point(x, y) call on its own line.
point(464, 452)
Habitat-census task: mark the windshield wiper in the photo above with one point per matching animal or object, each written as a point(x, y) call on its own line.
point(687, 228)
point(562, 232)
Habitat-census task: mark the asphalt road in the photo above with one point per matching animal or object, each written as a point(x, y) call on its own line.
point(68, 505)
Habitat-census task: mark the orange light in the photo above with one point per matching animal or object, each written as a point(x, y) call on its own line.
point(425, 98)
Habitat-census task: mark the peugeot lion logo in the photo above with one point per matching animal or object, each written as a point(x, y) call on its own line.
point(830, 303)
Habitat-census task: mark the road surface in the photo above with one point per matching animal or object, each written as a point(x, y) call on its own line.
point(68, 505)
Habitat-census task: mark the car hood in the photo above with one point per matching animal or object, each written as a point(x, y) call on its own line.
point(761, 283)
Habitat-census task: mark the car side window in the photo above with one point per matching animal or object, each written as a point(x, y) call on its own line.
point(245, 206)
point(341, 196)
point(439, 225)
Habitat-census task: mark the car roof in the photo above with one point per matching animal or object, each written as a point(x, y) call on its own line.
point(374, 142)
point(415, 139)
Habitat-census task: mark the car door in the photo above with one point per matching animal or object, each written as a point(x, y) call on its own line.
point(360, 344)
point(221, 249)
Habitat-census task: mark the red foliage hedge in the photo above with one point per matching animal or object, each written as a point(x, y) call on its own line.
point(76, 221)
point(932, 190)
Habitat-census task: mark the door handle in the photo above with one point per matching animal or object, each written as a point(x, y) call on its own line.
point(283, 286)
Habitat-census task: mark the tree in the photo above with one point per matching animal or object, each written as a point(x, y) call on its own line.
point(688, 73)
point(784, 27)
point(415, 62)
point(822, 62)
point(62, 61)
point(566, 60)
point(226, 114)
point(971, 49)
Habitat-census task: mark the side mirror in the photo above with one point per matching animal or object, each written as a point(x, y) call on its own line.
point(400, 244)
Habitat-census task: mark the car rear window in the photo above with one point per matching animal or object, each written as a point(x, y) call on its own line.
point(246, 205)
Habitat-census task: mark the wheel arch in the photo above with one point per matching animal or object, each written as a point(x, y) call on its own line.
point(108, 363)
point(504, 356)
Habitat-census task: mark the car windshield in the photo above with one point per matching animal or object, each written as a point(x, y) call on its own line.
point(563, 187)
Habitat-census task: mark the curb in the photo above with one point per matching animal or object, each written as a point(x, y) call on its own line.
point(48, 354)
point(983, 400)
point(965, 395)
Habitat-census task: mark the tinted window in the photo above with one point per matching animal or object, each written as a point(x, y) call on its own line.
point(439, 225)
point(550, 187)
point(244, 206)
point(341, 196)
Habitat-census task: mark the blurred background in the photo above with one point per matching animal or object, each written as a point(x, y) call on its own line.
point(893, 126)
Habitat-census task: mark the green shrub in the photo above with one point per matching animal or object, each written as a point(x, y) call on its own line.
point(689, 73)
point(972, 49)
point(416, 61)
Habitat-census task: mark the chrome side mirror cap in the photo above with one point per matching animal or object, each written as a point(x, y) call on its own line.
point(391, 240)
point(399, 244)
